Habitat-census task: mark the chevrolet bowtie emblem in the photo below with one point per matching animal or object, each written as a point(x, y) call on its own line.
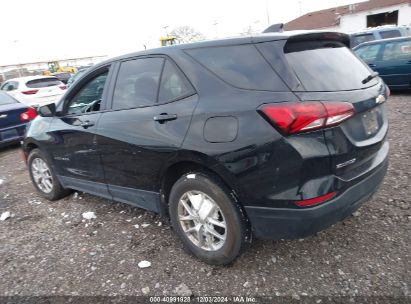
point(380, 99)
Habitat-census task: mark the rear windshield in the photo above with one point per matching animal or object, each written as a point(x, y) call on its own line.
point(6, 99)
point(43, 82)
point(327, 66)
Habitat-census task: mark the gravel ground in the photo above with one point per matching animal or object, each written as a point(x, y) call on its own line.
point(47, 248)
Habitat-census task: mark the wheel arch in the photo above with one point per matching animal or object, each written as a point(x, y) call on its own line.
point(196, 162)
point(27, 147)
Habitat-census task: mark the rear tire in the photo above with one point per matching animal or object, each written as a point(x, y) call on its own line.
point(43, 177)
point(207, 219)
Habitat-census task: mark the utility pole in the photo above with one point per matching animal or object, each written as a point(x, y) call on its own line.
point(267, 10)
point(165, 28)
point(215, 28)
point(18, 57)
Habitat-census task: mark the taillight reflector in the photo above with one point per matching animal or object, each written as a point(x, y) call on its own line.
point(30, 114)
point(30, 92)
point(63, 87)
point(316, 200)
point(297, 117)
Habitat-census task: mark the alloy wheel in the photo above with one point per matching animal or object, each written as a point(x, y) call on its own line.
point(202, 220)
point(42, 175)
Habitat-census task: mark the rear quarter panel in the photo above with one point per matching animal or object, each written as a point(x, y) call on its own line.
point(260, 164)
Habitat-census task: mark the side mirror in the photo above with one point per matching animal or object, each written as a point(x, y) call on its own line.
point(47, 110)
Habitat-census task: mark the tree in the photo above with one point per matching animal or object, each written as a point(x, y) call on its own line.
point(185, 34)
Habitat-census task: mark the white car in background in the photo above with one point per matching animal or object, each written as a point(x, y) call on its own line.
point(35, 90)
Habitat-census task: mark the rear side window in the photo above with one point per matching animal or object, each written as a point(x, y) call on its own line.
point(43, 82)
point(137, 83)
point(242, 66)
point(390, 34)
point(400, 50)
point(369, 53)
point(173, 84)
point(327, 66)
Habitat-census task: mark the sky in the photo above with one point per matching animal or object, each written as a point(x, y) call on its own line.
point(45, 30)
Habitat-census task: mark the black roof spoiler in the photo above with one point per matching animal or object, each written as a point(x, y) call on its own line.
point(334, 36)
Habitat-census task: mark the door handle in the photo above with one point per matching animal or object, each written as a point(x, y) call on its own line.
point(372, 65)
point(3, 115)
point(409, 62)
point(163, 117)
point(86, 124)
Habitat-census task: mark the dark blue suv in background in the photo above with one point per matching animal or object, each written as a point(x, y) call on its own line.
point(276, 136)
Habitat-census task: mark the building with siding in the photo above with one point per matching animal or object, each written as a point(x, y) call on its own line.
point(355, 17)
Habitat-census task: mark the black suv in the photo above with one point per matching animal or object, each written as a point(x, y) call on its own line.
point(276, 136)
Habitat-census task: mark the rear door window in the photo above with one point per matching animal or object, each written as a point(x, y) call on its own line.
point(241, 66)
point(10, 86)
point(43, 83)
point(399, 50)
point(137, 83)
point(327, 66)
point(369, 53)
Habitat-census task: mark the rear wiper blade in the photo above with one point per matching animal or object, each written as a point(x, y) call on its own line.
point(370, 77)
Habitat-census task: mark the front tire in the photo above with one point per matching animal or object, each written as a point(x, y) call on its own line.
point(43, 177)
point(209, 223)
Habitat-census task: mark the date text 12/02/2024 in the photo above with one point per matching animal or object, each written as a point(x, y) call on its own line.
point(203, 299)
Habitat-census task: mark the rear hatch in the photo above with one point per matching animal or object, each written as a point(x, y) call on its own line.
point(45, 89)
point(326, 70)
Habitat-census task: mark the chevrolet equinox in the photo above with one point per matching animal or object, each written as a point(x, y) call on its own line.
point(275, 136)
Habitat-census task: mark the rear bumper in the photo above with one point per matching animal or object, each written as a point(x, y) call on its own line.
point(282, 223)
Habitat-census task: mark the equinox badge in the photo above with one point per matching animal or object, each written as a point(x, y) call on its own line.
point(345, 164)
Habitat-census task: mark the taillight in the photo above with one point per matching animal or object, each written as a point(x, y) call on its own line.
point(63, 87)
point(30, 92)
point(337, 112)
point(297, 117)
point(30, 114)
point(315, 201)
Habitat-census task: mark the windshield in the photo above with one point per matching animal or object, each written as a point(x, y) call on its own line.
point(6, 99)
point(327, 66)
